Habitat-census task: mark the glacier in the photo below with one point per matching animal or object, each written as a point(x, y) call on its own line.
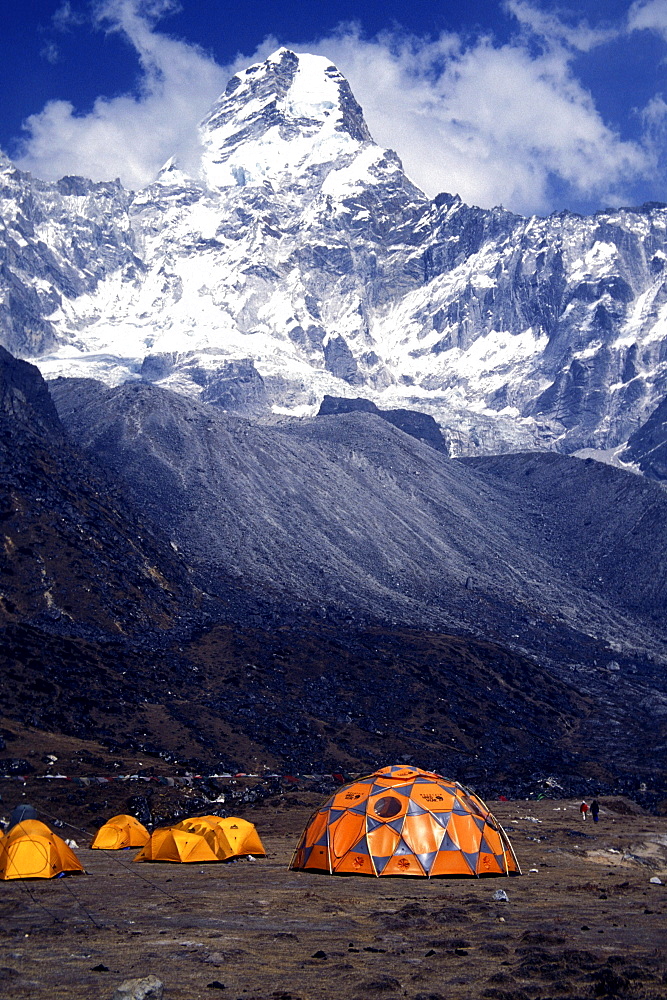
point(300, 261)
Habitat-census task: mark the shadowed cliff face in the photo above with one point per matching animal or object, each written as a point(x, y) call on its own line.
point(412, 422)
point(646, 449)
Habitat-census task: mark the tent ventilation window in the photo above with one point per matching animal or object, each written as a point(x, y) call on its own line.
point(387, 806)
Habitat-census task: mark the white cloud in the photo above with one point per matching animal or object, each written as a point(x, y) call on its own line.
point(495, 123)
point(129, 136)
point(66, 17)
point(579, 37)
point(650, 15)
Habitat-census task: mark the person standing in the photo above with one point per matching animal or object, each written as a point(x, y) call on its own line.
point(583, 809)
point(595, 809)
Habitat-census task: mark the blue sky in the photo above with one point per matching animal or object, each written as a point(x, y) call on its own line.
point(531, 104)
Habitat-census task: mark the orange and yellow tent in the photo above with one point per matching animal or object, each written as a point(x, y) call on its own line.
point(202, 838)
point(405, 821)
point(120, 832)
point(31, 850)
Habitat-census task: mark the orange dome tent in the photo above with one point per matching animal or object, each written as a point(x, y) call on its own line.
point(202, 838)
point(31, 850)
point(405, 821)
point(120, 832)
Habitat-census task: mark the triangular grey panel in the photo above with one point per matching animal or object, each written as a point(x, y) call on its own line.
point(472, 861)
point(448, 844)
point(361, 847)
point(442, 818)
point(426, 860)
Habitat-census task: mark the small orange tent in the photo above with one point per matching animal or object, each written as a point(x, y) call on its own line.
point(31, 850)
point(202, 838)
point(405, 821)
point(120, 832)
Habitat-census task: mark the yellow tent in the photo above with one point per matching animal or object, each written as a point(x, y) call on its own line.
point(31, 850)
point(202, 838)
point(242, 836)
point(179, 844)
point(120, 832)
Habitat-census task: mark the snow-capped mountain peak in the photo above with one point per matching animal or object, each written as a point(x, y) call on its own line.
point(289, 114)
point(301, 261)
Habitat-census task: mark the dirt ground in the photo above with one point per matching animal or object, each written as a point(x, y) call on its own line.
point(586, 923)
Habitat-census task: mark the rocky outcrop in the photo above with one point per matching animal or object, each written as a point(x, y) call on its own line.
point(412, 422)
point(24, 397)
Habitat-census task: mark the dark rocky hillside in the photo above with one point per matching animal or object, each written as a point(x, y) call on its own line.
point(71, 551)
point(368, 599)
point(301, 696)
point(606, 526)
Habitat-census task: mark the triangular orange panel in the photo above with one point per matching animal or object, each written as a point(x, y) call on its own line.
point(357, 861)
point(383, 841)
point(488, 865)
point(450, 863)
point(467, 834)
point(403, 864)
point(422, 834)
point(345, 832)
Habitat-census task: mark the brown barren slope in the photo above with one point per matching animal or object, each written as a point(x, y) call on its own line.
point(588, 923)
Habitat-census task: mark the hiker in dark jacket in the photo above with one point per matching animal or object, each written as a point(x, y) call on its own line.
point(595, 809)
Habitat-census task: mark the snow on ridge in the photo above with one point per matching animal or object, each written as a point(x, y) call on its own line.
point(285, 116)
point(315, 90)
